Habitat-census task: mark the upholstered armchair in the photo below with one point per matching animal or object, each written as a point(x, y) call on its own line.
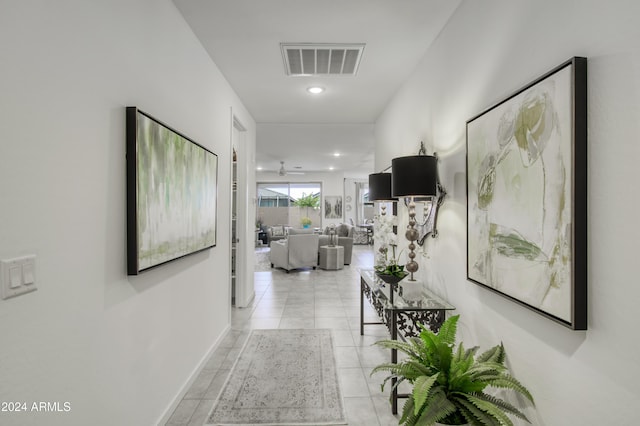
point(297, 251)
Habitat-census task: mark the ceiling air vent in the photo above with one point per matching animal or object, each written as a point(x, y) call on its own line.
point(321, 59)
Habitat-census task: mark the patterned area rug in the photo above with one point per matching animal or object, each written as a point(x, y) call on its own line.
point(262, 262)
point(282, 377)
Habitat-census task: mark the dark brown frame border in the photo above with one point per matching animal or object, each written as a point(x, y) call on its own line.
point(578, 197)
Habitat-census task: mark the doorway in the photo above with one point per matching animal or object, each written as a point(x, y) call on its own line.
point(242, 227)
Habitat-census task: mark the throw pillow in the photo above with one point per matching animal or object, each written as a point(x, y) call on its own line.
point(277, 231)
point(342, 230)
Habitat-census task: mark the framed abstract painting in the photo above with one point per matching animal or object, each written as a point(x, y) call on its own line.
point(171, 194)
point(527, 196)
point(333, 207)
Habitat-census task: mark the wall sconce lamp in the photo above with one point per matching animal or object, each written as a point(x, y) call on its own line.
point(415, 178)
point(380, 189)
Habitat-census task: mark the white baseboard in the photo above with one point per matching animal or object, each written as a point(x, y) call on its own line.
point(192, 377)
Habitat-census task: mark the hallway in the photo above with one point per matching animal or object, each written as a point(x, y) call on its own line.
point(305, 299)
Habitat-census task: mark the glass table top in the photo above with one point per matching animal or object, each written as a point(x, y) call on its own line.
point(407, 295)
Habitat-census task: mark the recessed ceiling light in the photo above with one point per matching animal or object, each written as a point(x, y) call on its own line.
point(331, 168)
point(315, 89)
point(336, 154)
point(258, 168)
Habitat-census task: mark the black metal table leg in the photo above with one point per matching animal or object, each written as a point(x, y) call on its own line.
point(362, 284)
point(394, 360)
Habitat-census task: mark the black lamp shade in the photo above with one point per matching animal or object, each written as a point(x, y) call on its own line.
point(380, 187)
point(414, 176)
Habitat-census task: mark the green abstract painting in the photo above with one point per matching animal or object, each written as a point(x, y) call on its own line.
point(175, 194)
point(520, 185)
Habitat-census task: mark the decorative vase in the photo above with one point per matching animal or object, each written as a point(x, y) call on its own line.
point(306, 226)
point(391, 279)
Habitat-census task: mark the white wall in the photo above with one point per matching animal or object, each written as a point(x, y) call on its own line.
point(117, 348)
point(488, 50)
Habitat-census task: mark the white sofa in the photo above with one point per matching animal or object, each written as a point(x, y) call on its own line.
point(297, 251)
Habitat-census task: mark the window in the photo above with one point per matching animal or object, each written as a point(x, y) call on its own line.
point(277, 204)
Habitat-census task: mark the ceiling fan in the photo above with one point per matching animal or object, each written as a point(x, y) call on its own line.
point(284, 172)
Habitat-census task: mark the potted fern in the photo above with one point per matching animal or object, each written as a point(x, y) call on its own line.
point(448, 385)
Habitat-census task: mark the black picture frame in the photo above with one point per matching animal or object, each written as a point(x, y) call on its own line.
point(171, 193)
point(526, 169)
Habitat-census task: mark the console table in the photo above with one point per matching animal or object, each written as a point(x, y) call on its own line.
point(401, 307)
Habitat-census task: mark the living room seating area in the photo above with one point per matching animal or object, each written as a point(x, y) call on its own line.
point(296, 250)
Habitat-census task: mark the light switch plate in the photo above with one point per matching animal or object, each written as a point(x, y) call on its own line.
point(17, 276)
point(29, 270)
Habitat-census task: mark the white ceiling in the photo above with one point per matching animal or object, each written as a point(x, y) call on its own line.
point(243, 38)
point(312, 147)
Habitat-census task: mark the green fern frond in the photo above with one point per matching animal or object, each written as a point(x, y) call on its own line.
point(495, 354)
point(405, 347)
point(465, 384)
point(478, 369)
point(460, 352)
point(462, 362)
point(408, 417)
point(442, 358)
point(421, 390)
point(425, 353)
point(389, 368)
point(384, 382)
point(419, 367)
point(474, 415)
point(465, 355)
point(507, 381)
point(394, 387)
point(448, 329)
point(401, 368)
point(504, 405)
point(491, 409)
point(409, 369)
point(437, 407)
point(429, 341)
point(485, 376)
point(471, 352)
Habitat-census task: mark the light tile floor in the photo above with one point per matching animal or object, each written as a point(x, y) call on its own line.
point(305, 299)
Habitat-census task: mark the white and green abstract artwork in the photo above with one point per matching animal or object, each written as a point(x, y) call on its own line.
point(521, 211)
point(172, 195)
